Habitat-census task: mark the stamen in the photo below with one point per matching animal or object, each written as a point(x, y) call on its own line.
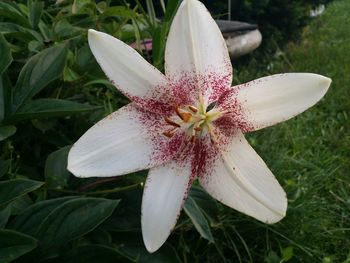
point(193, 109)
point(185, 116)
point(169, 134)
point(198, 129)
point(171, 122)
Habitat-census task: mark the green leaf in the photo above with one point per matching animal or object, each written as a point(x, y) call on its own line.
point(20, 32)
point(39, 71)
point(103, 82)
point(287, 253)
point(13, 12)
point(171, 8)
point(198, 219)
point(12, 189)
point(14, 244)
point(5, 213)
point(4, 166)
point(35, 9)
point(272, 257)
point(93, 254)
point(56, 172)
point(117, 11)
point(158, 40)
point(151, 11)
point(45, 108)
point(207, 204)
point(2, 101)
point(7, 131)
point(74, 219)
point(30, 219)
point(5, 96)
point(132, 245)
point(6, 56)
point(20, 204)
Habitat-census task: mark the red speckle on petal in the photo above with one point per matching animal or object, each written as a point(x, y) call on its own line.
point(233, 117)
point(205, 154)
point(164, 148)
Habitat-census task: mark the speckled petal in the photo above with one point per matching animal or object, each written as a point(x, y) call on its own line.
point(164, 194)
point(129, 71)
point(239, 178)
point(128, 140)
point(277, 98)
point(196, 52)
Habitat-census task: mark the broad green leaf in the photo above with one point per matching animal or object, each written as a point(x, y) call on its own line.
point(127, 216)
point(13, 12)
point(6, 131)
point(2, 101)
point(4, 166)
point(64, 29)
point(5, 61)
point(35, 46)
point(117, 11)
point(132, 245)
point(206, 203)
point(39, 71)
point(45, 31)
point(78, 6)
point(93, 254)
point(30, 219)
point(272, 257)
point(6, 56)
point(5, 213)
point(14, 244)
point(287, 253)
point(56, 172)
point(198, 219)
point(74, 219)
point(69, 75)
point(12, 189)
point(19, 32)
point(5, 96)
point(35, 9)
point(44, 108)
point(84, 59)
point(20, 204)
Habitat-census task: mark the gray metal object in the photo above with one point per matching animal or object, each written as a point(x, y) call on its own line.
point(241, 38)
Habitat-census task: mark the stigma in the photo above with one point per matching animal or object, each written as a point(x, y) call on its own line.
point(191, 119)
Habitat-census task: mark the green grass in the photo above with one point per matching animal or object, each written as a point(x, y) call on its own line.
point(310, 155)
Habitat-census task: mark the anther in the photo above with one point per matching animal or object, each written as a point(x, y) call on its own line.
point(185, 116)
point(198, 129)
point(193, 109)
point(169, 134)
point(172, 123)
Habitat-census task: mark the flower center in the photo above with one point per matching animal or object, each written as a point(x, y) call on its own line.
point(195, 121)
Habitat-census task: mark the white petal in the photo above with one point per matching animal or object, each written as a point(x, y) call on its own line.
point(126, 68)
point(277, 98)
point(241, 180)
point(164, 194)
point(195, 46)
point(123, 142)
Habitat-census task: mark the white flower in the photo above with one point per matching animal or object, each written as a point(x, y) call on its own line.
point(188, 124)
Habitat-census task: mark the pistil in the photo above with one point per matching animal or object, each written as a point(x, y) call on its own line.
point(192, 119)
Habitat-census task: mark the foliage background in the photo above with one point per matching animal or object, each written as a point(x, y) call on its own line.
point(52, 91)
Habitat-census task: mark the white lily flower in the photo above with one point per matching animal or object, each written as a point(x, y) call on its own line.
point(188, 124)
